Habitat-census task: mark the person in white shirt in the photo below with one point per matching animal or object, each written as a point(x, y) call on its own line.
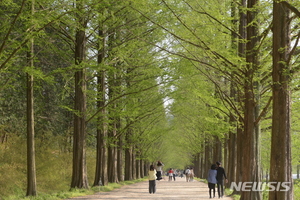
point(159, 170)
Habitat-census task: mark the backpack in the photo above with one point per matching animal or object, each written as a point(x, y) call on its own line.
point(187, 171)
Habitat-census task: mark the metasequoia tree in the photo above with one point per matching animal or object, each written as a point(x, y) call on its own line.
point(280, 165)
point(251, 154)
point(79, 174)
point(101, 157)
point(31, 168)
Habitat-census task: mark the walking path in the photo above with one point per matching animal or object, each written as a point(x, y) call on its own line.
point(172, 190)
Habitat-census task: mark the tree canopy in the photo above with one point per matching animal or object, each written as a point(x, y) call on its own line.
point(115, 86)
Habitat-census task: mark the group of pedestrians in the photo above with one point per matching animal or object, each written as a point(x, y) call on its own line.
point(189, 174)
point(216, 175)
point(153, 175)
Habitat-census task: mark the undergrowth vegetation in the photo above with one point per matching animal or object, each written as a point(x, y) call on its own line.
point(53, 167)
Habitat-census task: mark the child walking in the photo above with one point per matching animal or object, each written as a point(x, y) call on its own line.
point(212, 180)
point(152, 178)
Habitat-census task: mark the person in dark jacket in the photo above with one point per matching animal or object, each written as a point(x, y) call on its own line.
point(220, 179)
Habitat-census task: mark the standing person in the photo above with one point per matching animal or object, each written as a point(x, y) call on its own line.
point(212, 180)
point(220, 178)
point(174, 174)
point(170, 174)
point(159, 170)
point(152, 179)
point(187, 173)
point(192, 174)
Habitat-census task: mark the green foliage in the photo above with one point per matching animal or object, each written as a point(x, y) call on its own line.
point(297, 189)
point(295, 127)
point(166, 83)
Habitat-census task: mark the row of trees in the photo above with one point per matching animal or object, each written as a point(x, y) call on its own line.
point(91, 73)
point(126, 80)
point(247, 81)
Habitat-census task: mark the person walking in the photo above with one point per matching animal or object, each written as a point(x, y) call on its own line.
point(187, 174)
point(212, 180)
point(170, 174)
point(174, 174)
point(152, 178)
point(192, 174)
point(159, 170)
point(220, 179)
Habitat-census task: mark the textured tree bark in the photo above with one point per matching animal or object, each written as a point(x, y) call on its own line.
point(280, 166)
point(79, 174)
point(128, 164)
point(112, 130)
point(133, 164)
point(142, 166)
point(240, 98)
point(31, 168)
point(138, 174)
point(250, 141)
point(239, 154)
point(120, 157)
point(101, 156)
point(232, 135)
point(232, 158)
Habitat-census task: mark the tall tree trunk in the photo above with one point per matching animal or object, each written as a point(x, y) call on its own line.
point(239, 154)
point(101, 156)
point(120, 157)
point(128, 155)
point(240, 97)
point(232, 157)
point(203, 167)
point(112, 130)
point(232, 154)
point(280, 170)
point(142, 166)
point(79, 175)
point(208, 156)
point(217, 150)
point(250, 143)
point(133, 164)
point(112, 164)
point(138, 175)
point(197, 165)
point(112, 157)
point(31, 168)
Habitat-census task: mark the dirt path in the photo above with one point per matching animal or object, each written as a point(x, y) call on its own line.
point(175, 190)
